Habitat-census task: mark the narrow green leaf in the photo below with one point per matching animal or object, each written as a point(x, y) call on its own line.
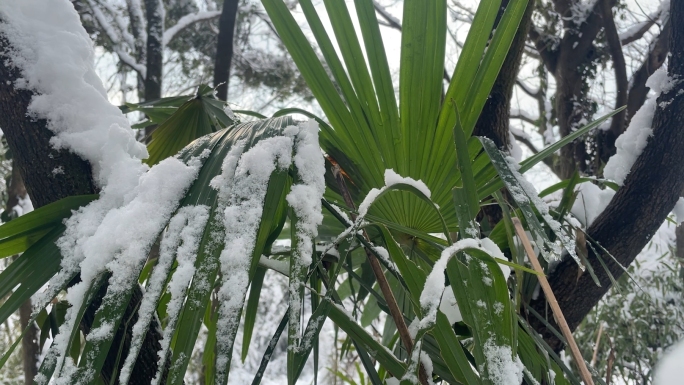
point(251, 309)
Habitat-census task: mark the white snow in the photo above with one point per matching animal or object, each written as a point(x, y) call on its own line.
point(679, 210)
point(114, 233)
point(591, 201)
point(182, 239)
point(305, 197)
point(633, 141)
point(23, 206)
point(431, 296)
point(241, 199)
point(669, 369)
point(305, 200)
point(391, 179)
point(449, 306)
point(502, 368)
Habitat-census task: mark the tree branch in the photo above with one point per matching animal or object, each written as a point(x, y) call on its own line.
point(548, 50)
point(391, 20)
point(618, 121)
point(638, 30)
point(526, 89)
point(118, 20)
point(655, 58)
point(138, 25)
point(35, 158)
point(186, 21)
point(638, 209)
point(524, 139)
point(224, 48)
point(115, 38)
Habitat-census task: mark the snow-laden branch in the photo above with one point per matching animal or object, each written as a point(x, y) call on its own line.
point(186, 21)
point(637, 31)
point(121, 25)
point(116, 40)
point(138, 23)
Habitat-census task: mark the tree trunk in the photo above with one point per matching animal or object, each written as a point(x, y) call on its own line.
point(154, 11)
point(493, 122)
point(576, 51)
point(224, 48)
point(654, 60)
point(494, 119)
point(50, 175)
point(638, 209)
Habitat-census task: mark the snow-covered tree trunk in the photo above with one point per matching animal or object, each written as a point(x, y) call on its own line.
point(50, 175)
point(639, 207)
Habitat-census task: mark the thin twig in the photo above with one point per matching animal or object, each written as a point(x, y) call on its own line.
point(394, 310)
point(596, 347)
point(551, 299)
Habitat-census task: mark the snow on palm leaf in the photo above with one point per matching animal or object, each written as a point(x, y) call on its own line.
point(242, 190)
point(108, 241)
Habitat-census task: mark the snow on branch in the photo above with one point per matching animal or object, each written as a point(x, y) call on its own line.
point(632, 142)
point(637, 31)
point(138, 24)
point(187, 21)
point(120, 23)
point(55, 58)
point(116, 40)
point(528, 90)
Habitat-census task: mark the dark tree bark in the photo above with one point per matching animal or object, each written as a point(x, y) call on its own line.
point(654, 60)
point(605, 140)
point(494, 120)
point(35, 159)
point(154, 58)
point(576, 51)
point(638, 209)
point(224, 48)
point(30, 350)
point(29, 141)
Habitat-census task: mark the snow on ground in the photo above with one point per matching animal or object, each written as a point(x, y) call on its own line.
point(669, 369)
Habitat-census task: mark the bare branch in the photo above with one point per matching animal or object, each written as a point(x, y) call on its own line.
point(187, 21)
point(391, 20)
point(524, 139)
point(548, 49)
point(638, 30)
point(617, 124)
point(526, 89)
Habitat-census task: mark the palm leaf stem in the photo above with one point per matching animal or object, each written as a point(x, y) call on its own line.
point(394, 309)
